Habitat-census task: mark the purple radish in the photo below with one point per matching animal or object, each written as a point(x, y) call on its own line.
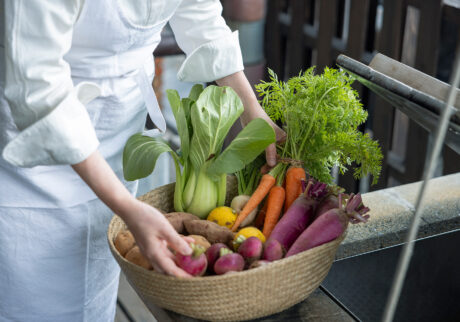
point(251, 249)
point(330, 224)
point(273, 250)
point(299, 215)
point(328, 203)
point(259, 263)
point(213, 253)
point(194, 264)
point(228, 262)
point(331, 201)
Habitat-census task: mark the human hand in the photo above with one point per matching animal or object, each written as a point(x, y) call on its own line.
point(252, 109)
point(256, 111)
point(153, 233)
point(156, 238)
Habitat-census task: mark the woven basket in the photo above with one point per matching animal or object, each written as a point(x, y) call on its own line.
point(238, 296)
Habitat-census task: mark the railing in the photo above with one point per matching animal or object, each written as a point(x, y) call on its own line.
point(419, 33)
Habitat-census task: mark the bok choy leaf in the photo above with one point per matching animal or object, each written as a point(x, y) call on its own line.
point(203, 120)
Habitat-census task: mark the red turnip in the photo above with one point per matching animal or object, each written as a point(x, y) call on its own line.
point(273, 250)
point(194, 264)
point(213, 253)
point(228, 262)
point(251, 249)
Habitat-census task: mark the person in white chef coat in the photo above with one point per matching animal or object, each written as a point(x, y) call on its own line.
point(74, 86)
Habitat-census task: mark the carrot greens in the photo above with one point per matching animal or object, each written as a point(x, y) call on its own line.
point(321, 114)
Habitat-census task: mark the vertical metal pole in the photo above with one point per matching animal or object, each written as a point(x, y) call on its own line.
point(408, 247)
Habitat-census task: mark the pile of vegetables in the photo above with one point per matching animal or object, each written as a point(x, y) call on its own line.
point(292, 208)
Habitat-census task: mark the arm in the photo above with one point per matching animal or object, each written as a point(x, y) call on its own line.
point(252, 109)
point(152, 231)
point(213, 53)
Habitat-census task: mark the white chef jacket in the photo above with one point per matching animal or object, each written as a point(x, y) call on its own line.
point(69, 85)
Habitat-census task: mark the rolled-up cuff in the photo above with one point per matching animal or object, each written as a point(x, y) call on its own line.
point(213, 60)
point(64, 136)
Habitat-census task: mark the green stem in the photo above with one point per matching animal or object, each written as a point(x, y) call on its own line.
point(312, 121)
point(282, 173)
point(249, 187)
point(240, 179)
point(222, 190)
point(276, 170)
point(178, 206)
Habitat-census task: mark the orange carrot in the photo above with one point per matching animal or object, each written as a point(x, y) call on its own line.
point(261, 216)
point(293, 185)
point(266, 183)
point(275, 203)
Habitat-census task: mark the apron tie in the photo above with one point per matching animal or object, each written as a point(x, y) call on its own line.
point(151, 103)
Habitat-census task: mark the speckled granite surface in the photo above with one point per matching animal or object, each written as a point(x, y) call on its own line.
point(392, 210)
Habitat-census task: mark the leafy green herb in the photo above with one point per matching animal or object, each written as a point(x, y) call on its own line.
point(321, 114)
point(249, 176)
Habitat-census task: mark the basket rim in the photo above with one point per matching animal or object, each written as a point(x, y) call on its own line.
point(198, 279)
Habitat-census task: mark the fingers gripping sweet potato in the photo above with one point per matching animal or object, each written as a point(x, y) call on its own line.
point(177, 219)
point(210, 230)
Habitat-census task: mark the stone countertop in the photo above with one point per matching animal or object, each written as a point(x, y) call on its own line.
point(392, 210)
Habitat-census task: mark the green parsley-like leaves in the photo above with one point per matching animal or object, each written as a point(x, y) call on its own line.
point(321, 114)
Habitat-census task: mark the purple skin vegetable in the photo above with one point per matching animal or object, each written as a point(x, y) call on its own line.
point(194, 264)
point(273, 251)
point(328, 203)
point(251, 249)
point(228, 262)
point(213, 253)
point(299, 215)
point(330, 224)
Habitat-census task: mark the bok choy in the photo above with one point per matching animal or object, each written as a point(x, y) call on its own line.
point(203, 119)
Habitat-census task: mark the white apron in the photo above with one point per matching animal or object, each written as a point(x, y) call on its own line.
point(54, 256)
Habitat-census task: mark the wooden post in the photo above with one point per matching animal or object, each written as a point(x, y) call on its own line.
point(327, 24)
point(273, 36)
point(389, 42)
point(295, 45)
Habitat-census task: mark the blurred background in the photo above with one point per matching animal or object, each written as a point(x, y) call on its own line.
point(290, 36)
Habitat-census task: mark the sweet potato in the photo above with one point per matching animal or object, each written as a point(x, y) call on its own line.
point(259, 263)
point(210, 230)
point(201, 241)
point(124, 242)
point(176, 219)
point(135, 257)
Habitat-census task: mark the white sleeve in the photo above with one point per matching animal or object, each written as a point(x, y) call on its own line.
point(48, 110)
point(212, 50)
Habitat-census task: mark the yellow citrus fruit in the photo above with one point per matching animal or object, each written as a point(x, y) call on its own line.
point(247, 232)
point(223, 216)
